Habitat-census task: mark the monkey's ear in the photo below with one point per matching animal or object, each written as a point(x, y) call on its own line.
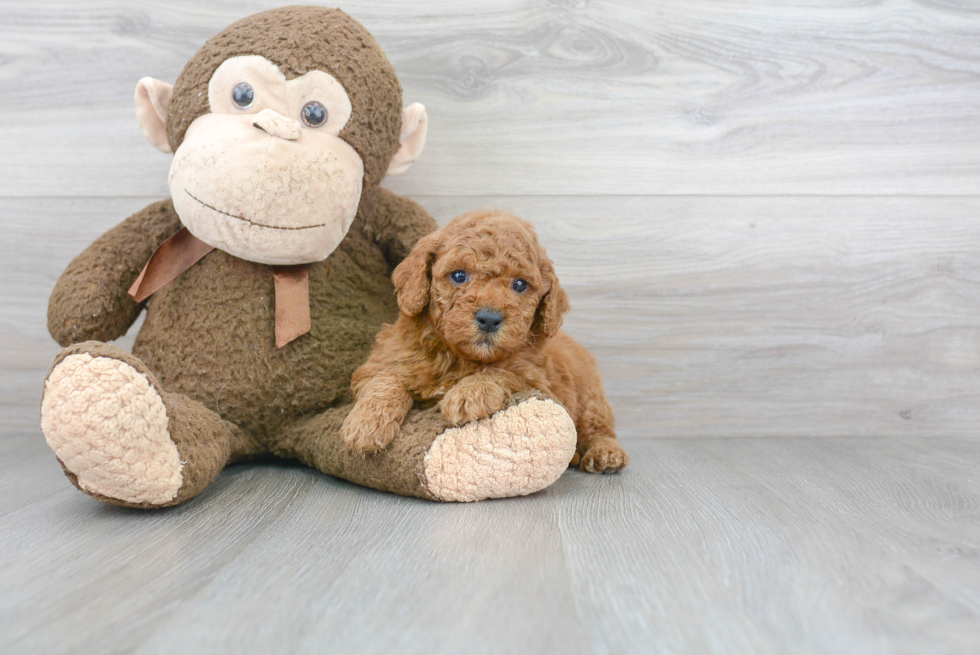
point(415, 125)
point(412, 277)
point(554, 304)
point(152, 100)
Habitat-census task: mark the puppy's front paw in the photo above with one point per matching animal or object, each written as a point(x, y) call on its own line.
point(472, 400)
point(604, 456)
point(367, 429)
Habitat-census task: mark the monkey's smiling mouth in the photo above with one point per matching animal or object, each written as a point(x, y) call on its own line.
point(251, 222)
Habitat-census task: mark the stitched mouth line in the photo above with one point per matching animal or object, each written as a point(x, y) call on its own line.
point(250, 222)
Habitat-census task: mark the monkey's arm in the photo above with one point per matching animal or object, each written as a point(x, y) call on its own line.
point(394, 222)
point(90, 300)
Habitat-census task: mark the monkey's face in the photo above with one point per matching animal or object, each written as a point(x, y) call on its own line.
point(265, 176)
point(276, 123)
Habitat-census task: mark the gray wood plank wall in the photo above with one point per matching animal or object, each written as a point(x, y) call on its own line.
point(765, 212)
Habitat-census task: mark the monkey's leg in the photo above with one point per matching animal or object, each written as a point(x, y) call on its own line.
point(521, 449)
point(124, 440)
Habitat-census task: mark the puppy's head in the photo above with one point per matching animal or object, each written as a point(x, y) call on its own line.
point(486, 284)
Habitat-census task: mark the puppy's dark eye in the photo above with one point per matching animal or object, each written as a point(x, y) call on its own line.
point(520, 286)
point(459, 277)
point(243, 95)
point(314, 114)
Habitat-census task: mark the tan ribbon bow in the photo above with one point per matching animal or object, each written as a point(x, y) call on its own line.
point(183, 250)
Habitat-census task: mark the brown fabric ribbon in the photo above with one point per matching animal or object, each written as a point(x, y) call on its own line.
point(292, 302)
point(183, 250)
point(173, 257)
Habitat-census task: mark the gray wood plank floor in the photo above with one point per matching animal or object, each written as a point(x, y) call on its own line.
point(749, 546)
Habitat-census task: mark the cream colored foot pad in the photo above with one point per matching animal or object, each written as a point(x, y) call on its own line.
point(108, 426)
point(515, 452)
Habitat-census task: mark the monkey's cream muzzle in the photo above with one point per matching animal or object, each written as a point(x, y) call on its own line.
point(261, 189)
point(265, 175)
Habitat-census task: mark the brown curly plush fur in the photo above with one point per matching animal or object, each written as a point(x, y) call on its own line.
point(437, 352)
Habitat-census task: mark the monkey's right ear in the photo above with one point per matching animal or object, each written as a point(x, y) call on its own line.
point(412, 277)
point(152, 100)
point(415, 125)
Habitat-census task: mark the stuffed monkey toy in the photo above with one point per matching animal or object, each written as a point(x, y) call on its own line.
point(265, 278)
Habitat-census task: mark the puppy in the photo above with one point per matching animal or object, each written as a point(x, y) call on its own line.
point(480, 309)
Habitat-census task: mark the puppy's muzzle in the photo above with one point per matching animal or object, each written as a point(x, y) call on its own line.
point(489, 320)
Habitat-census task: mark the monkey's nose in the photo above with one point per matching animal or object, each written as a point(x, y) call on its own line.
point(275, 124)
point(489, 320)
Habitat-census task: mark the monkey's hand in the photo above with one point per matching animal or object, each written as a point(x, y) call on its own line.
point(90, 300)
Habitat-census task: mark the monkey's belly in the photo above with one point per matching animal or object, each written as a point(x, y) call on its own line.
point(210, 334)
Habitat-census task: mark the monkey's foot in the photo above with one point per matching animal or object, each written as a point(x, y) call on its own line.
point(521, 449)
point(108, 426)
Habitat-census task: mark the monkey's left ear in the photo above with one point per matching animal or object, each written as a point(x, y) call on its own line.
point(152, 100)
point(415, 124)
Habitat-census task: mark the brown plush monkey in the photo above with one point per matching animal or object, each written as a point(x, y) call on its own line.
point(265, 278)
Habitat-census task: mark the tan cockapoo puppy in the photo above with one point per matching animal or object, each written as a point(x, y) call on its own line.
point(481, 309)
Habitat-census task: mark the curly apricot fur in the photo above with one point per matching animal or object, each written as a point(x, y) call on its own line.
point(437, 352)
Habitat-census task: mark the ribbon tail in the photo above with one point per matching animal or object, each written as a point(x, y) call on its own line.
point(292, 302)
point(173, 257)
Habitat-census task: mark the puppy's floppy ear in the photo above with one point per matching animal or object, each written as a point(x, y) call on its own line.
point(554, 304)
point(413, 276)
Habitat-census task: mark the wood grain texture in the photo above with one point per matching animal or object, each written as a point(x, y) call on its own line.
point(559, 97)
point(779, 546)
point(709, 316)
point(702, 545)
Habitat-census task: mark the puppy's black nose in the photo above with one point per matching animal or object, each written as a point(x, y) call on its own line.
point(489, 320)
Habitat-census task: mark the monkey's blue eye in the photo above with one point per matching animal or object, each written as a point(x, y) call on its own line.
point(314, 114)
point(459, 277)
point(243, 94)
point(520, 286)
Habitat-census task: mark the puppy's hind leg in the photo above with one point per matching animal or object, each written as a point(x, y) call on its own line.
point(598, 451)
